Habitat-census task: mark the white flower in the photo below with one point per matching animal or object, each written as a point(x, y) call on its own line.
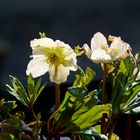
point(119, 49)
point(101, 52)
point(54, 57)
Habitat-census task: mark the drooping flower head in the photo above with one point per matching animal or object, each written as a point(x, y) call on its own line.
point(101, 52)
point(51, 56)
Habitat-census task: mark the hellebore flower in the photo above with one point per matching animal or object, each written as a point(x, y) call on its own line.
point(101, 52)
point(54, 57)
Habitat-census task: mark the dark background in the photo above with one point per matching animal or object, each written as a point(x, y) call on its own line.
point(73, 22)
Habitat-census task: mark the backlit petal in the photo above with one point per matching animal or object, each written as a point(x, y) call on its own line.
point(98, 41)
point(62, 44)
point(119, 48)
point(100, 56)
point(44, 42)
point(71, 65)
point(37, 67)
point(87, 50)
point(58, 74)
point(39, 50)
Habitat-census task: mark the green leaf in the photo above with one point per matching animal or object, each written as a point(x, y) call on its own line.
point(76, 99)
point(73, 115)
point(91, 99)
point(126, 66)
point(124, 90)
point(91, 134)
point(79, 88)
point(129, 95)
point(63, 116)
point(31, 85)
point(85, 117)
point(38, 84)
point(78, 92)
point(18, 91)
point(34, 90)
point(83, 79)
point(135, 110)
point(78, 50)
point(90, 74)
point(6, 107)
point(117, 91)
point(27, 98)
point(38, 92)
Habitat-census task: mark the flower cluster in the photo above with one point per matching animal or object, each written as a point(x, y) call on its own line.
point(83, 114)
point(101, 52)
point(59, 58)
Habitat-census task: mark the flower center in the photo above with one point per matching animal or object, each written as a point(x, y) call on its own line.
point(55, 55)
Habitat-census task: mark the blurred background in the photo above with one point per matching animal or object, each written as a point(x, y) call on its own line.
point(73, 22)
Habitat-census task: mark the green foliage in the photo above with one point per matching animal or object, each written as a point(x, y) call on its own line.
point(14, 129)
point(91, 133)
point(86, 117)
point(78, 50)
point(89, 114)
point(18, 91)
point(79, 109)
point(125, 87)
point(83, 79)
point(6, 108)
point(79, 115)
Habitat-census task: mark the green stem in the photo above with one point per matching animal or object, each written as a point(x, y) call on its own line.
point(104, 95)
point(33, 112)
point(57, 104)
point(57, 96)
point(49, 124)
point(35, 135)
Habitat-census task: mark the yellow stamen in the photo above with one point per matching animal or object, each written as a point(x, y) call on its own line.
point(55, 55)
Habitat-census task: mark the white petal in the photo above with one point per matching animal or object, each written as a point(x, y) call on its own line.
point(42, 42)
point(119, 44)
point(37, 67)
point(58, 74)
point(68, 52)
point(73, 68)
point(39, 50)
point(98, 41)
point(88, 51)
point(100, 56)
point(62, 44)
point(71, 65)
point(70, 56)
point(118, 48)
point(70, 59)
